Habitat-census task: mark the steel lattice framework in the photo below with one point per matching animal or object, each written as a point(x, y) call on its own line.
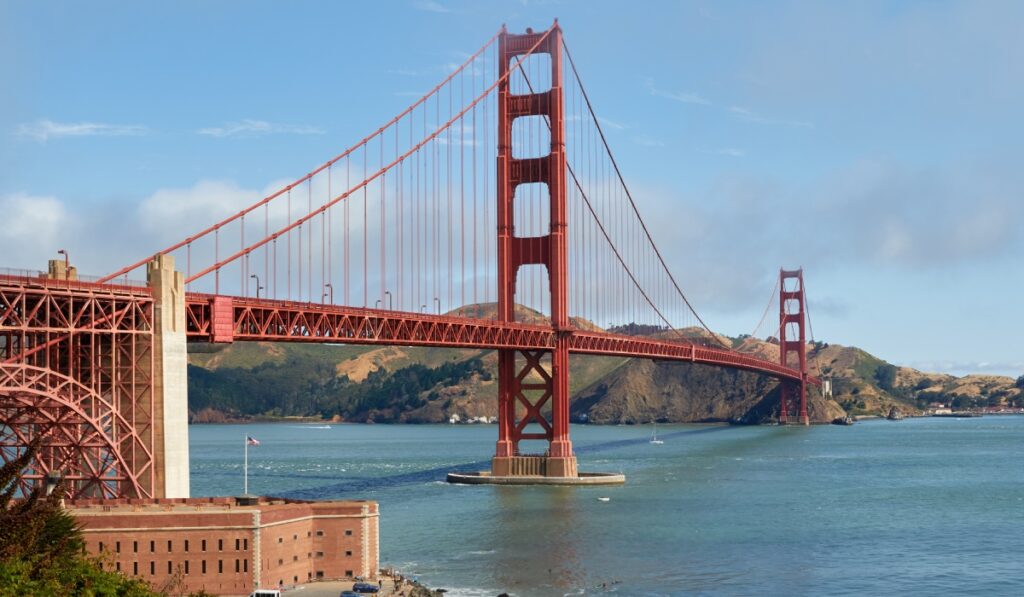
point(213, 318)
point(76, 366)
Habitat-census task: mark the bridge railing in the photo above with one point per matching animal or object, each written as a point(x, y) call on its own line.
point(29, 276)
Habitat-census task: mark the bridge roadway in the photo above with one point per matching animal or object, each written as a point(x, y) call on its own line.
point(218, 318)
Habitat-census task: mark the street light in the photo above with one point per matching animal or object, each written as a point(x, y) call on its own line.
point(391, 305)
point(330, 292)
point(423, 308)
point(377, 304)
point(438, 301)
point(67, 264)
point(258, 287)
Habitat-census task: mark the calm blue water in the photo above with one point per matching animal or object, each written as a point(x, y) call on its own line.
point(917, 507)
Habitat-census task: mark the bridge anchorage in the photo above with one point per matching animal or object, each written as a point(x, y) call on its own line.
point(490, 215)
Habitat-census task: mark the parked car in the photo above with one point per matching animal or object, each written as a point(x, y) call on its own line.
point(265, 593)
point(365, 587)
point(349, 594)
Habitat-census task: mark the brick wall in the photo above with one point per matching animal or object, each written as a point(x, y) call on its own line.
point(225, 548)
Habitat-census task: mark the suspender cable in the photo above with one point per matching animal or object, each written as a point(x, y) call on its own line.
point(632, 203)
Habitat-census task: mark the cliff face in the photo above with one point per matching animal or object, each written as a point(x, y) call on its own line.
point(643, 391)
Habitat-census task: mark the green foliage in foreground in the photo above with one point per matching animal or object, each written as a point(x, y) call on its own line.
point(41, 548)
point(71, 576)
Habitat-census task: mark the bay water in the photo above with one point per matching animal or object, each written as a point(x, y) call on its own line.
point(929, 506)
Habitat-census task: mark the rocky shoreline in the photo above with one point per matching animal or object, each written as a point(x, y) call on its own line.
point(212, 415)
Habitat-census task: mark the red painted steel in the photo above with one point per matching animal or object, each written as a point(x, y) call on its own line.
point(791, 312)
point(266, 320)
point(533, 385)
point(76, 365)
point(285, 321)
point(222, 319)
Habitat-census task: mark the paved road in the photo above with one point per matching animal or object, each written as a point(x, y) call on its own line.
point(332, 589)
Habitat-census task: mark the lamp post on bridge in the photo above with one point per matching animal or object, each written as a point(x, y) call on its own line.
point(377, 304)
point(258, 287)
point(423, 308)
point(438, 301)
point(67, 263)
point(330, 292)
point(391, 305)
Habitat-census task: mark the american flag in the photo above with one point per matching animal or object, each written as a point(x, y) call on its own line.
point(251, 441)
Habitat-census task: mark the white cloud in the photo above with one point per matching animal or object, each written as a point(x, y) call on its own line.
point(751, 116)
point(611, 124)
point(689, 97)
point(249, 128)
point(430, 6)
point(44, 130)
point(174, 213)
point(647, 141)
point(961, 368)
point(101, 238)
point(732, 152)
point(31, 231)
point(457, 135)
point(406, 72)
point(892, 217)
point(686, 97)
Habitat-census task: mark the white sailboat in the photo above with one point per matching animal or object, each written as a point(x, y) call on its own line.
point(654, 435)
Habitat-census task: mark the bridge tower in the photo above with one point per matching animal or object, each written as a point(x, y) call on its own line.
point(792, 340)
point(530, 380)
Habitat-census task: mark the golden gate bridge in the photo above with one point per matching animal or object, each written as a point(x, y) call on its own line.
point(489, 214)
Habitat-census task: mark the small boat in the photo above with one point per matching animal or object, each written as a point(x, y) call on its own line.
point(604, 499)
point(654, 435)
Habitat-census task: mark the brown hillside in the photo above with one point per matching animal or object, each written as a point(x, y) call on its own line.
point(620, 390)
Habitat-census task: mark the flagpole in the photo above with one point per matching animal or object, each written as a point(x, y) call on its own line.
point(246, 467)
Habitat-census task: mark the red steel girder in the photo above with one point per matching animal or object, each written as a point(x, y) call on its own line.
point(284, 321)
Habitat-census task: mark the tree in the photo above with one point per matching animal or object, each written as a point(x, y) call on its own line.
point(885, 375)
point(1020, 382)
point(41, 547)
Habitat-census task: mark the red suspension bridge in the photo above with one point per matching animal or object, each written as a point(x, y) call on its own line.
point(489, 214)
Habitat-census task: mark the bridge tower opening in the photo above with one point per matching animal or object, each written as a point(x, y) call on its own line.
point(533, 386)
point(792, 340)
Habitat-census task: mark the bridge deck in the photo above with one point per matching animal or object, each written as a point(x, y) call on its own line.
point(213, 318)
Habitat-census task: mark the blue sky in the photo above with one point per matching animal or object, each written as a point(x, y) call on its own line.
point(878, 144)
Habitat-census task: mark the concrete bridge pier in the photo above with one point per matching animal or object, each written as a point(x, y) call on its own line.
point(170, 379)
